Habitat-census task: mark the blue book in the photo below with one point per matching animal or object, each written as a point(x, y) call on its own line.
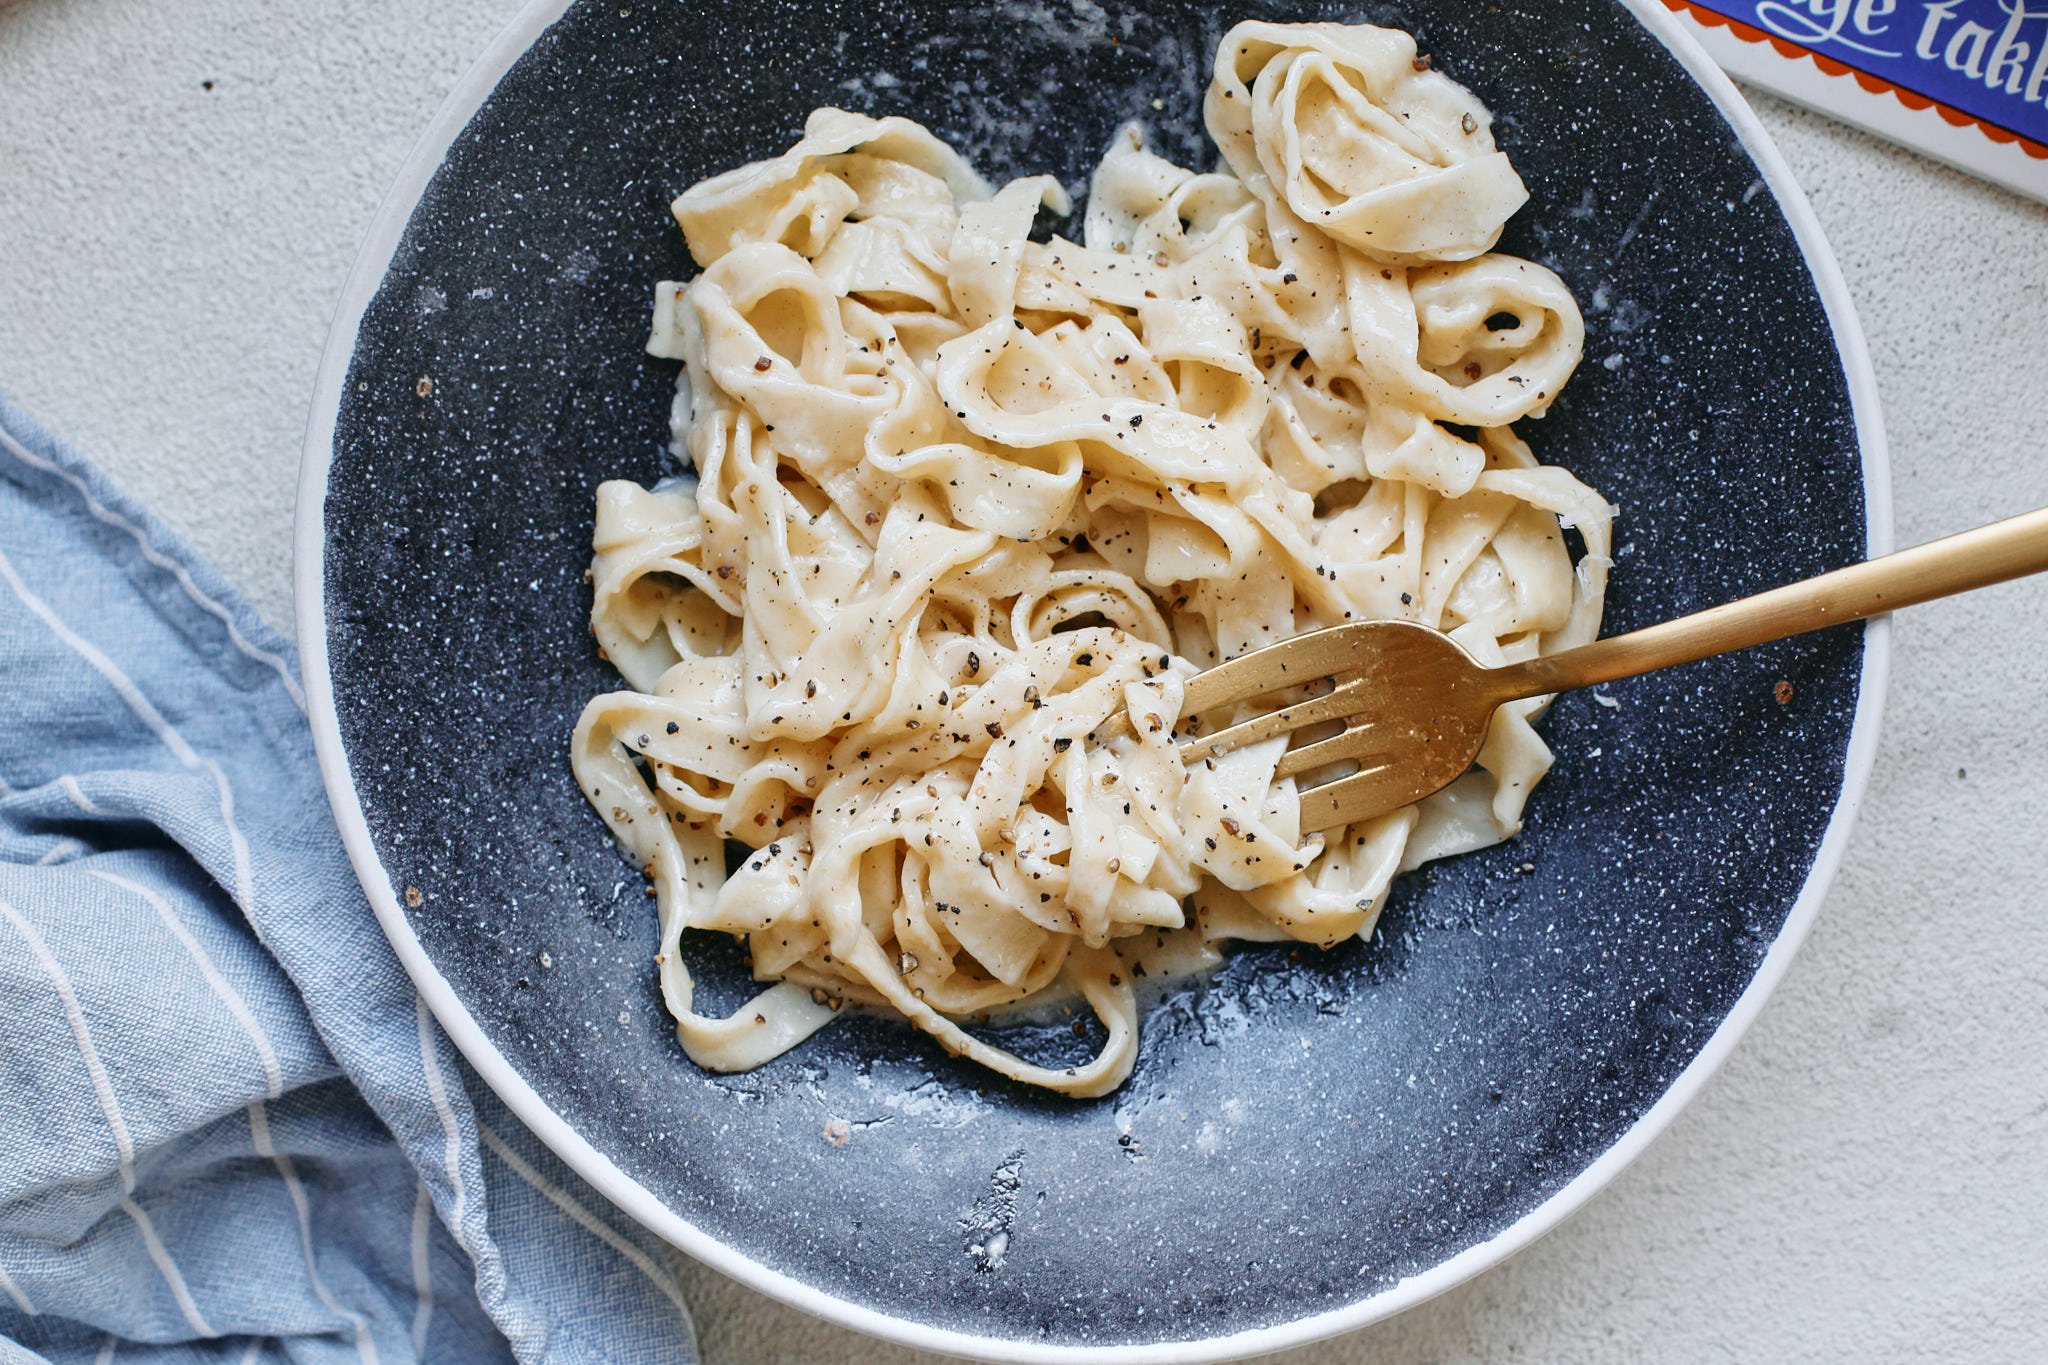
point(1963, 81)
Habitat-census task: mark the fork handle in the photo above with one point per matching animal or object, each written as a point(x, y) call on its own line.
point(1975, 559)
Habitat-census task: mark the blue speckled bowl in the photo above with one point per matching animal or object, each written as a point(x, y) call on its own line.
point(1310, 1141)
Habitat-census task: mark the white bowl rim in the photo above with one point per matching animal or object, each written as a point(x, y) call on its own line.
point(309, 541)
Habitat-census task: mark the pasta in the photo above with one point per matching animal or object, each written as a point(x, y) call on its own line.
point(961, 496)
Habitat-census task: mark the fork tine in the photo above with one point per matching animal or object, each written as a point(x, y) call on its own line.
point(1357, 742)
point(1329, 706)
point(1361, 796)
point(1260, 671)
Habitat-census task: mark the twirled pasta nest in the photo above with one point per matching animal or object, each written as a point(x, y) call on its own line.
point(961, 497)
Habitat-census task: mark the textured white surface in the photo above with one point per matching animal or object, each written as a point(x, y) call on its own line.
point(1867, 1179)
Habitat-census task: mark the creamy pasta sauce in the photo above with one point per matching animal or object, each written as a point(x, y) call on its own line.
point(961, 497)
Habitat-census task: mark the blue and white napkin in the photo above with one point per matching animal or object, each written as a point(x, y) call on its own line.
point(229, 1129)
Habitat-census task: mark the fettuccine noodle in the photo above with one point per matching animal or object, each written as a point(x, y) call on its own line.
point(962, 496)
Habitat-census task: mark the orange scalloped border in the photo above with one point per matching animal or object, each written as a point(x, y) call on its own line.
point(1876, 85)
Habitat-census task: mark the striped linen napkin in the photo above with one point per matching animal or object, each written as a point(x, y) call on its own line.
point(229, 1129)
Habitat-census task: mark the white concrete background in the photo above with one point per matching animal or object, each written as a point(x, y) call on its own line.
point(1867, 1180)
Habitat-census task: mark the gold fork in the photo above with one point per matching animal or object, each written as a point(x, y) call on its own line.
point(1415, 706)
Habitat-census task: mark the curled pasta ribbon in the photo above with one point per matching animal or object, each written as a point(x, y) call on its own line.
point(957, 497)
point(847, 165)
point(1361, 140)
point(1483, 342)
